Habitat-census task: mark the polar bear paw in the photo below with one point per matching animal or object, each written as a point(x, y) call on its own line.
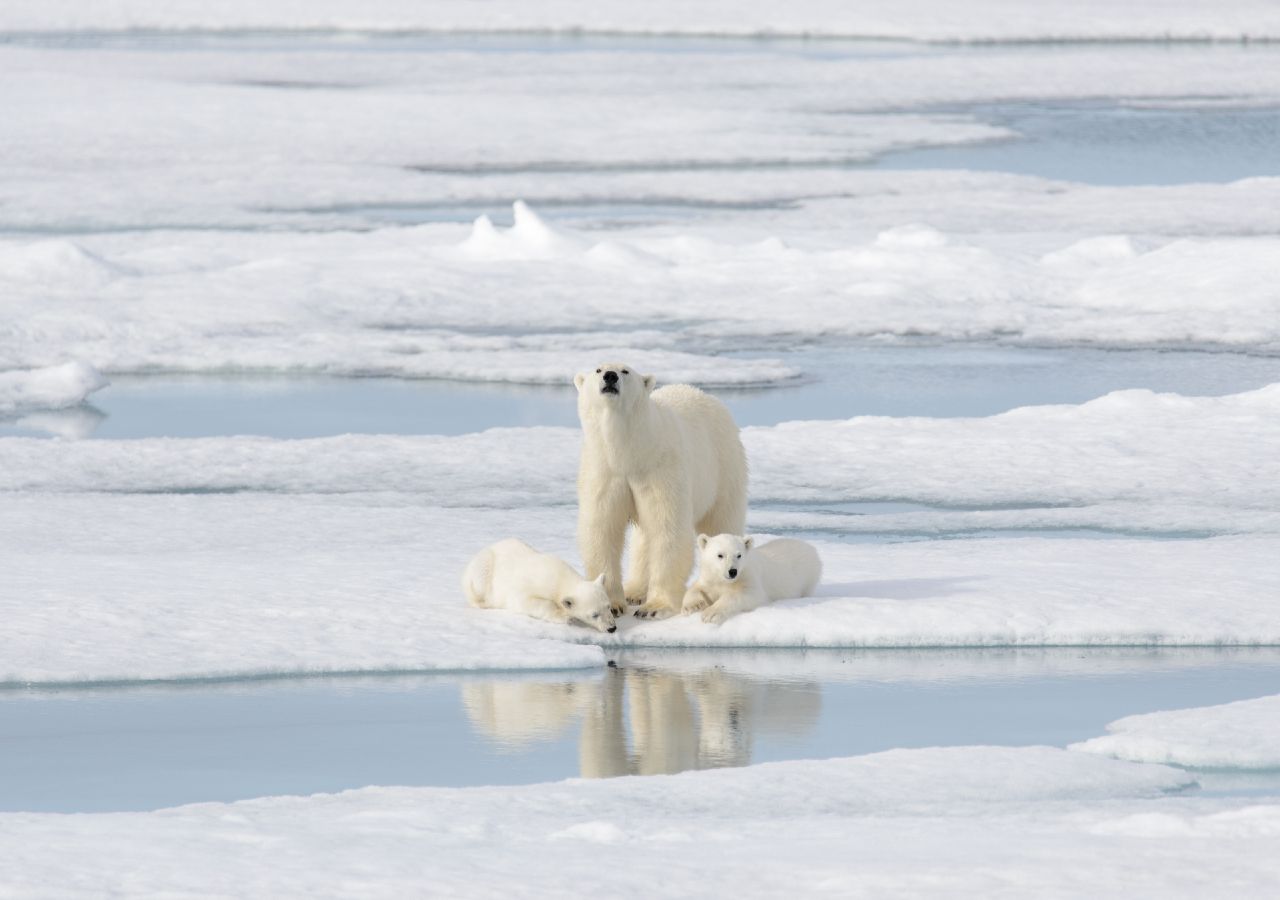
point(715, 616)
point(652, 610)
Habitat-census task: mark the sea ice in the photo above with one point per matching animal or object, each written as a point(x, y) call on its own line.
point(987, 20)
point(49, 388)
point(1241, 735)
point(969, 821)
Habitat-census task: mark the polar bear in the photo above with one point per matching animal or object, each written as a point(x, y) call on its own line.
point(668, 461)
point(734, 578)
point(512, 575)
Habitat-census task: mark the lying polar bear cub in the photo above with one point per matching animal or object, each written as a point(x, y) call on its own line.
point(734, 578)
point(512, 575)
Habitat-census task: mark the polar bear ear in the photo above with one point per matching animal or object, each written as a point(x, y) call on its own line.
point(649, 382)
point(578, 379)
point(746, 543)
point(600, 579)
point(702, 541)
point(566, 602)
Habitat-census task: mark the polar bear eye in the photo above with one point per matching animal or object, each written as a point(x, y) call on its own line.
point(719, 556)
point(595, 615)
point(597, 371)
point(626, 372)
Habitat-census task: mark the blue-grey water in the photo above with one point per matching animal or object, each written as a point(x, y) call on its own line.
point(936, 380)
point(150, 746)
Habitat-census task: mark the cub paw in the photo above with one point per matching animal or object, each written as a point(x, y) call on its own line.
point(714, 616)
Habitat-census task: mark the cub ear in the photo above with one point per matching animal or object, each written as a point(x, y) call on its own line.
point(578, 379)
point(746, 543)
point(702, 541)
point(600, 579)
point(566, 602)
point(649, 383)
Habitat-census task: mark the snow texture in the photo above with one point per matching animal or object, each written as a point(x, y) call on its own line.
point(986, 20)
point(970, 821)
point(51, 388)
point(1241, 735)
point(532, 304)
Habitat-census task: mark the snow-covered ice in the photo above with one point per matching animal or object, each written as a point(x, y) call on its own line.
point(428, 302)
point(964, 821)
point(1240, 735)
point(49, 388)
point(987, 20)
point(1127, 457)
point(193, 558)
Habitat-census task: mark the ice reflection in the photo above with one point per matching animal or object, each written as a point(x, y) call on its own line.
point(645, 720)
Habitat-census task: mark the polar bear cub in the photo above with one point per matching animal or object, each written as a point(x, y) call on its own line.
point(733, 577)
point(512, 575)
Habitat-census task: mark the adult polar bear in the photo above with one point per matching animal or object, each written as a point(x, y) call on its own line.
point(668, 461)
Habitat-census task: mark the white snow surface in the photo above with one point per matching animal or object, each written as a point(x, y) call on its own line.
point(1202, 458)
point(984, 20)
point(52, 387)
point(1240, 735)
point(325, 133)
point(533, 303)
point(968, 821)
point(187, 586)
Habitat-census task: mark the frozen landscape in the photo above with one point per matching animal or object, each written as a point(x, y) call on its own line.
point(291, 297)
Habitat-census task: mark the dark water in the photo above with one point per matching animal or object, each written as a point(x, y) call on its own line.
point(145, 747)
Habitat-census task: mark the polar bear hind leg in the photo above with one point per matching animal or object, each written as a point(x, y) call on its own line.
point(669, 538)
point(636, 587)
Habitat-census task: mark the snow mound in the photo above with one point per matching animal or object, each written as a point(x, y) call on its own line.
point(1241, 735)
point(530, 237)
point(53, 387)
point(54, 262)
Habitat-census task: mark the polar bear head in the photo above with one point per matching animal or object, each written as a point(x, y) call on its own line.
point(720, 558)
point(588, 603)
point(612, 385)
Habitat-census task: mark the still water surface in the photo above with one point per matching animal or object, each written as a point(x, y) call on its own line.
point(149, 746)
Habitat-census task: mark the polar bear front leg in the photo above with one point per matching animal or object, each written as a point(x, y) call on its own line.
point(695, 600)
point(667, 521)
point(603, 512)
point(730, 604)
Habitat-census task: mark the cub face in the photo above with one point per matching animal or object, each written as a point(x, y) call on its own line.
point(720, 557)
point(611, 386)
point(588, 604)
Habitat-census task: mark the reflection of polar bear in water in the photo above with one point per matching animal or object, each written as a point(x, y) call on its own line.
point(668, 461)
point(701, 720)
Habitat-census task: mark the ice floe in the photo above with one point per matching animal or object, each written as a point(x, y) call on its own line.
point(419, 303)
point(194, 585)
point(970, 821)
point(989, 20)
point(1240, 735)
point(49, 388)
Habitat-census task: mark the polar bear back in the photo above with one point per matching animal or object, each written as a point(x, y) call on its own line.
point(786, 568)
point(708, 440)
point(505, 574)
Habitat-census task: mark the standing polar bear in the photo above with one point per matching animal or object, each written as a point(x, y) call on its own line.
point(668, 461)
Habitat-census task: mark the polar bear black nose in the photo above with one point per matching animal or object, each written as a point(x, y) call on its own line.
point(612, 628)
point(733, 573)
point(610, 377)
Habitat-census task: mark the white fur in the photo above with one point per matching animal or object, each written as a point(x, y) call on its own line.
point(668, 461)
point(734, 577)
point(512, 575)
